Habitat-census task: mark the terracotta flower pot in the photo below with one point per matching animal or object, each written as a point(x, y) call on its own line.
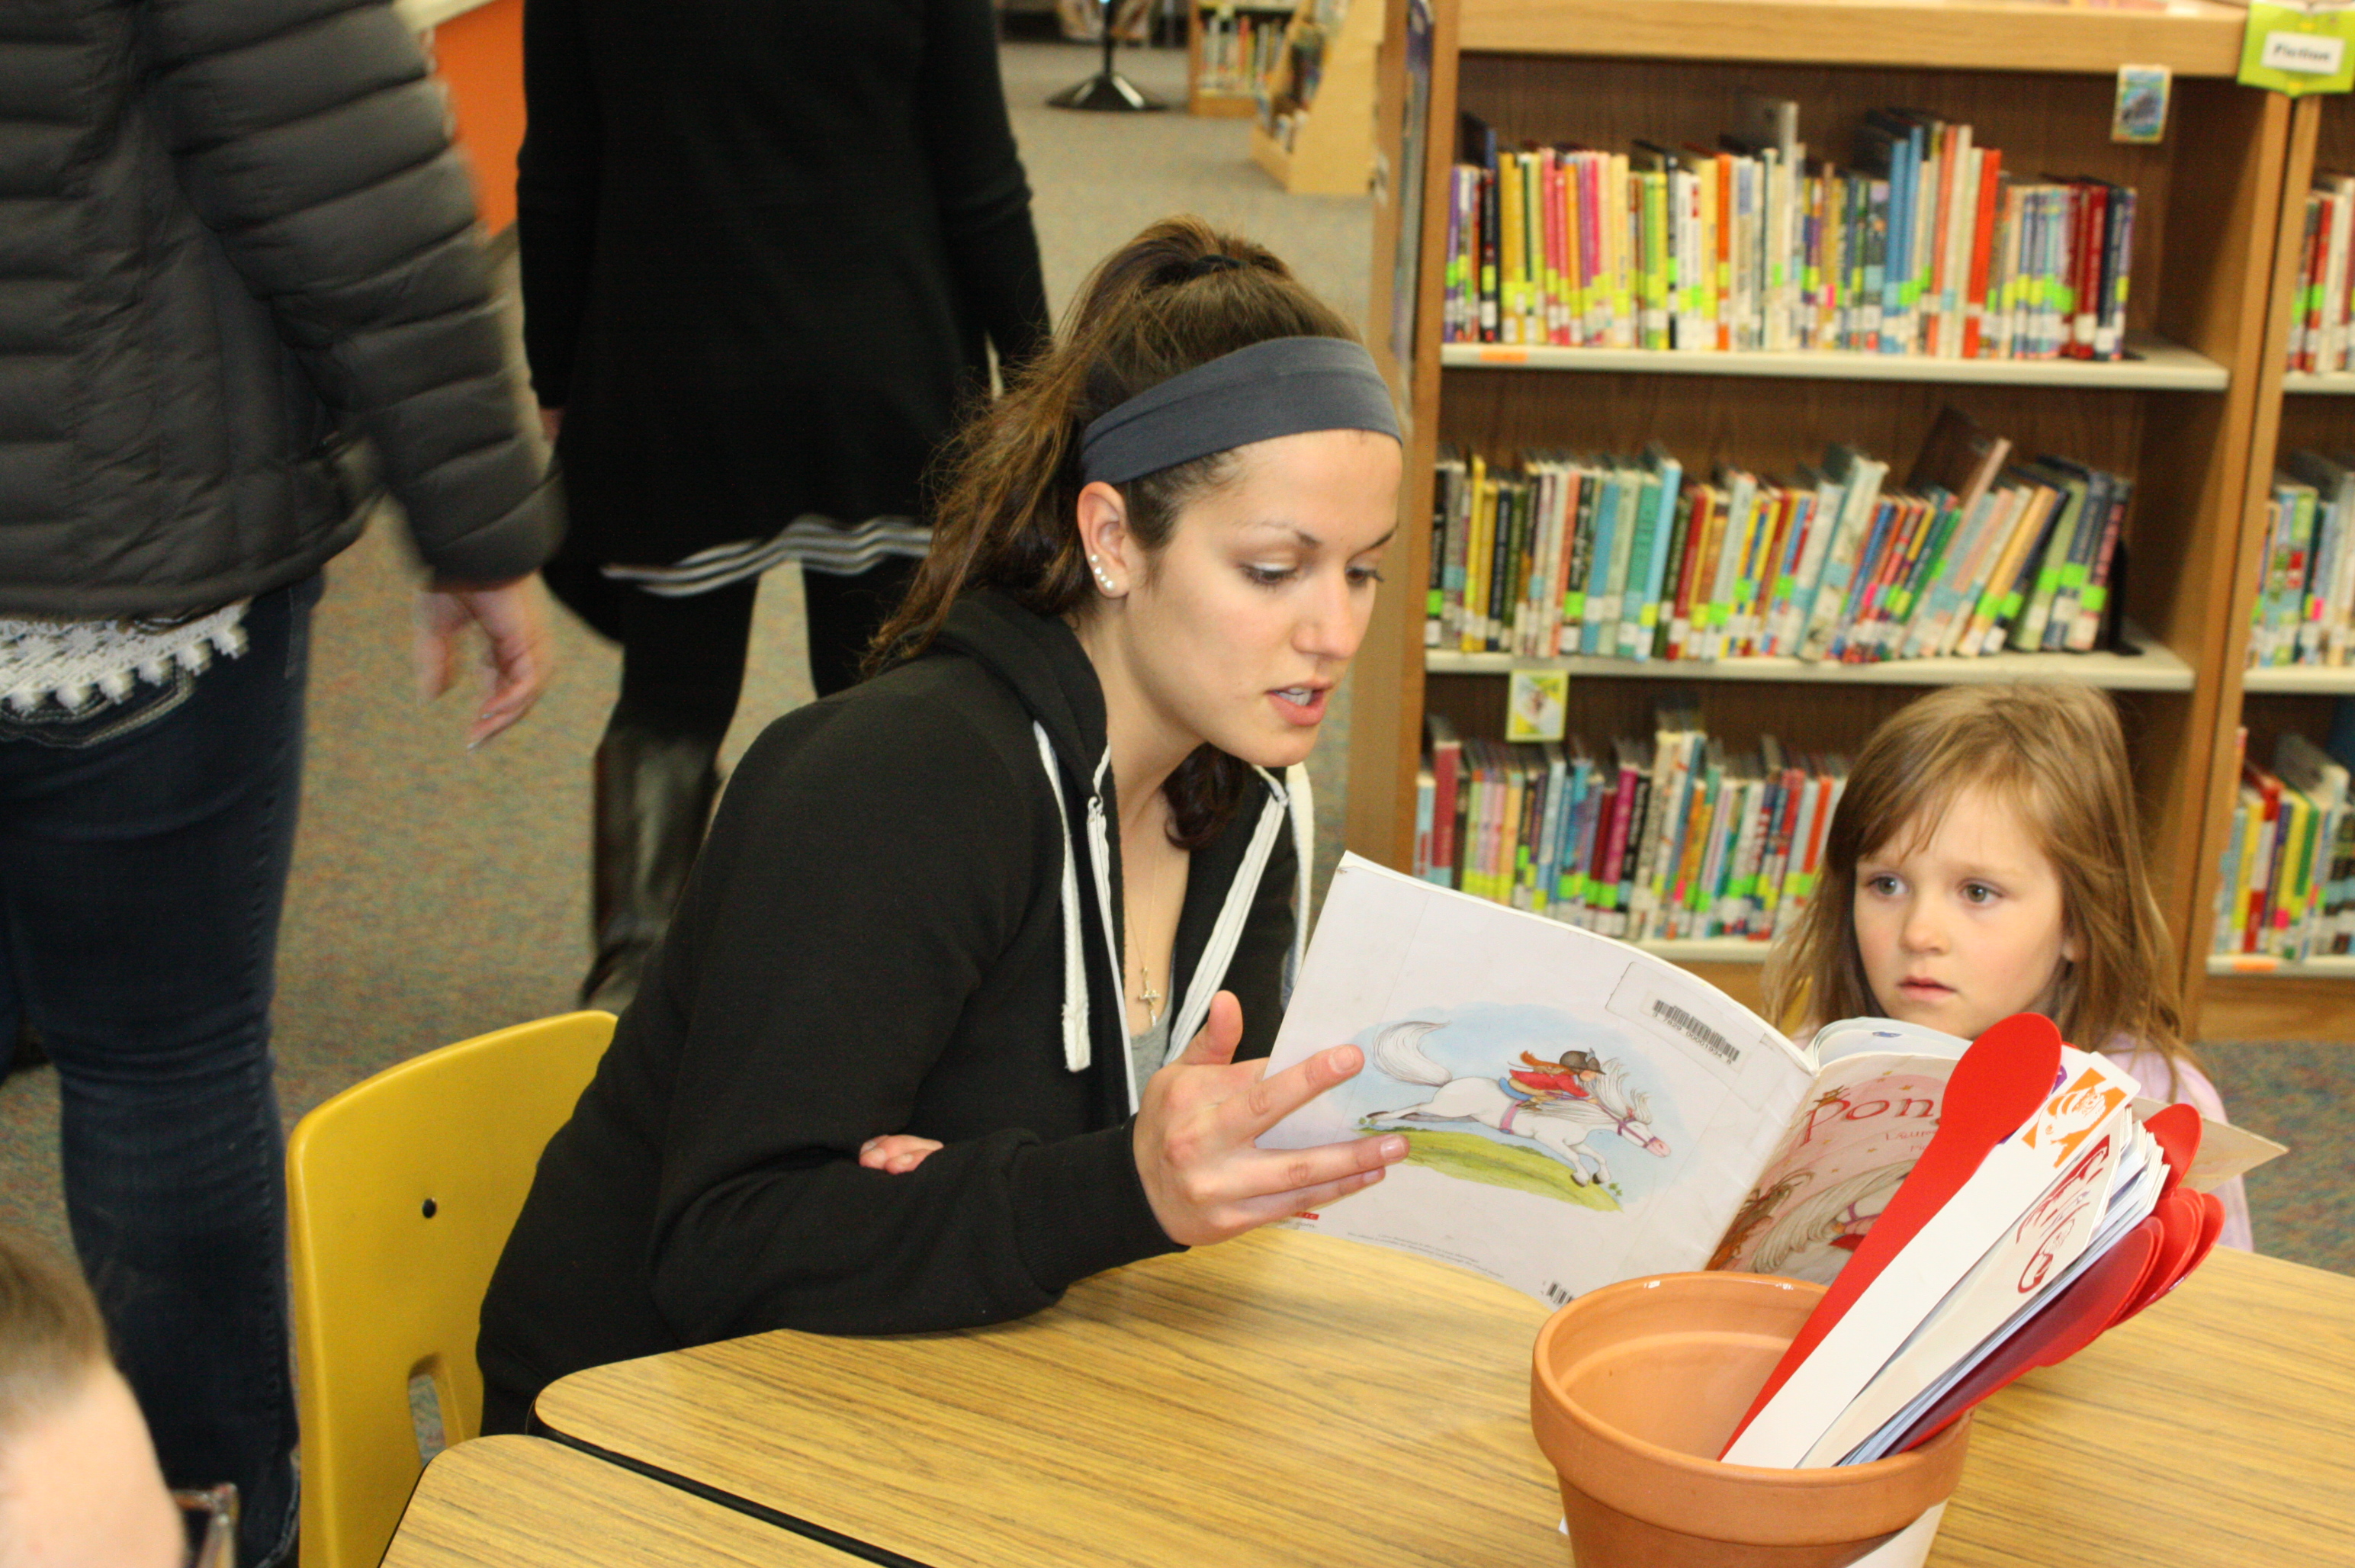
point(1635, 1391)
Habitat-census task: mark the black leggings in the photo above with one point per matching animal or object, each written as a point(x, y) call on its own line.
point(682, 658)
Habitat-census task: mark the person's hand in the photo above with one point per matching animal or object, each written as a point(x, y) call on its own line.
point(550, 421)
point(517, 657)
point(1193, 1138)
point(895, 1153)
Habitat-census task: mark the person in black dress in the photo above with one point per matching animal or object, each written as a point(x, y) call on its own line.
point(764, 248)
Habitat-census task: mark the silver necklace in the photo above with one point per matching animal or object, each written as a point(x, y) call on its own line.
point(1145, 993)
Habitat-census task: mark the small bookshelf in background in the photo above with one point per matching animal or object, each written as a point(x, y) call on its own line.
point(2279, 890)
point(2286, 889)
point(1315, 130)
point(2099, 306)
point(1231, 48)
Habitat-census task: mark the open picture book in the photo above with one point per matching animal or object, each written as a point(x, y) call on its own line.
point(1579, 1112)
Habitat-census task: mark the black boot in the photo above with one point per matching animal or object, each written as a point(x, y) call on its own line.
point(654, 790)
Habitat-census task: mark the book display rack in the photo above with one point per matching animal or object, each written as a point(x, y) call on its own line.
point(2174, 420)
point(2276, 702)
point(1316, 128)
point(1232, 45)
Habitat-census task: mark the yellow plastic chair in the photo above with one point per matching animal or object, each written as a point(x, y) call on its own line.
point(400, 1193)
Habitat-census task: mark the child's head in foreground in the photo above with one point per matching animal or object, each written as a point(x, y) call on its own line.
point(79, 1486)
point(1983, 861)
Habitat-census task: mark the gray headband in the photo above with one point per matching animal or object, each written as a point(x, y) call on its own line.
point(1286, 386)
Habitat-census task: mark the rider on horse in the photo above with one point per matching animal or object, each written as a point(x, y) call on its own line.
point(1573, 1077)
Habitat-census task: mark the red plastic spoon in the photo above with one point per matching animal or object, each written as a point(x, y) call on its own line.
point(1996, 1085)
point(2212, 1224)
point(2176, 1131)
point(2069, 1322)
point(2178, 1213)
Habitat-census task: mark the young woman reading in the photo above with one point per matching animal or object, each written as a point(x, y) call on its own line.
point(982, 899)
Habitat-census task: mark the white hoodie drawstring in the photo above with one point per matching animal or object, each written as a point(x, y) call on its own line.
point(1077, 1053)
point(1291, 798)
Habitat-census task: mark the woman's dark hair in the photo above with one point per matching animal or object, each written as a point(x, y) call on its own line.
point(50, 1336)
point(1007, 512)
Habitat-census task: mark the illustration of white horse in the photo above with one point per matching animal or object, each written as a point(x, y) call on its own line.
point(1558, 1124)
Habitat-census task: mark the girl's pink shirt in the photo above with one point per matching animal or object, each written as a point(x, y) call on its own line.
point(2190, 1084)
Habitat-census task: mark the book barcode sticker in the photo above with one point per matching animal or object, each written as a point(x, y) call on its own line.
point(1684, 1017)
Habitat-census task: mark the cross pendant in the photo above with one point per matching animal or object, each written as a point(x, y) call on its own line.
point(1150, 998)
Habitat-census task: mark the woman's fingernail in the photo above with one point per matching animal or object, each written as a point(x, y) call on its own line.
point(1393, 1148)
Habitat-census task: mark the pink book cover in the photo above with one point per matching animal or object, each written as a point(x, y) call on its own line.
point(1847, 1153)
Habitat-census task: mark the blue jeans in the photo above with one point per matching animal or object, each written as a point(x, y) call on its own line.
point(144, 854)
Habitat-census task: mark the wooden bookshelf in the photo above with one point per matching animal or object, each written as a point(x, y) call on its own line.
point(2247, 998)
point(2037, 81)
point(1204, 94)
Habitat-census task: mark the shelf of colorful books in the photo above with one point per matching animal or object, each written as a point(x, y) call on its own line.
point(2152, 364)
point(2329, 966)
point(2190, 38)
point(2150, 665)
point(2301, 680)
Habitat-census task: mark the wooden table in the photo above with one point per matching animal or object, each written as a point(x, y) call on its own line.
point(520, 1502)
point(1291, 1399)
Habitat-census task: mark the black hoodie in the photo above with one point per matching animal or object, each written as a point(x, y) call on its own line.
point(877, 939)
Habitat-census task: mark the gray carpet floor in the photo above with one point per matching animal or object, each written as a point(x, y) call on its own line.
point(438, 893)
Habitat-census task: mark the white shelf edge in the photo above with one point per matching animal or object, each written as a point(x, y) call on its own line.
point(2155, 668)
point(2309, 679)
point(1707, 950)
point(2162, 366)
point(2319, 381)
point(2331, 966)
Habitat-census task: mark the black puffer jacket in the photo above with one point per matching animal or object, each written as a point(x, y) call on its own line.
point(240, 278)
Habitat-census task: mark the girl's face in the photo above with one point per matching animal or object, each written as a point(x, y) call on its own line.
point(1963, 927)
point(1238, 630)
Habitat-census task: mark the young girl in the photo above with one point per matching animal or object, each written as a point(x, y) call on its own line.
point(1983, 861)
point(1026, 893)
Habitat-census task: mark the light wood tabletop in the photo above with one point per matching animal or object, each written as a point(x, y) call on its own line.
point(522, 1502)
point(1291, 1399)
point(2218, 1428)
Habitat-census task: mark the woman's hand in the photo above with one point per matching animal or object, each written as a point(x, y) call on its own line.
point(1193, 1140)
point(895, 1153)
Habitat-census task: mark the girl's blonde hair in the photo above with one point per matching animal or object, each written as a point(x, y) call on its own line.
point(2054, 750)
